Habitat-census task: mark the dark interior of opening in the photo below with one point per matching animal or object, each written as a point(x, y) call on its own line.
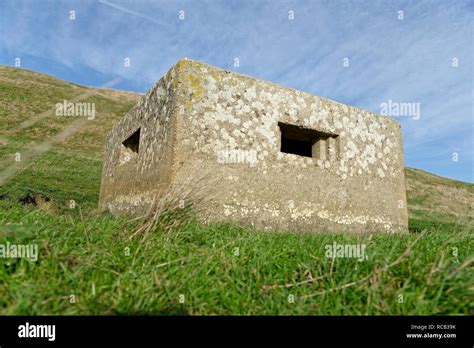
point(133, 141)
point(296, 147)
point(299, 141)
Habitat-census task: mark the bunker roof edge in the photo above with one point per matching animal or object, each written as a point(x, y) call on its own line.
point(179, 66)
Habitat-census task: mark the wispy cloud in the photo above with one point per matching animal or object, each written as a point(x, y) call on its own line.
point(134, 13)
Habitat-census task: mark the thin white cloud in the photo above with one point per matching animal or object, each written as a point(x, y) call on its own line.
point(134, 13)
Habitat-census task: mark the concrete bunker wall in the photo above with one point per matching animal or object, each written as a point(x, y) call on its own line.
point(231, 131)
point(139, 152)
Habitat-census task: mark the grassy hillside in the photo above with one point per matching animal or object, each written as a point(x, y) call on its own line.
point(54, 164)
point(89, 264)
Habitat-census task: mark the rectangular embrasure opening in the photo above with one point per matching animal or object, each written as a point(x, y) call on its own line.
point(133, 141)
point(307, 142)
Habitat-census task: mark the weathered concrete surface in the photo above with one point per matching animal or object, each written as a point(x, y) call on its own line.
point(202, 122)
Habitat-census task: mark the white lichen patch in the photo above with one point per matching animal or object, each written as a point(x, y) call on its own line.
point(250, 113)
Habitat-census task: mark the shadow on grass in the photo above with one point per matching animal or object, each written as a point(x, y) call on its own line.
point(169, 311)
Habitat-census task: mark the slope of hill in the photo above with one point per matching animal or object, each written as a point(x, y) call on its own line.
point(430, 192)
point(28, 110)
point(434, 200)
point(50, 169)
point(40, 149)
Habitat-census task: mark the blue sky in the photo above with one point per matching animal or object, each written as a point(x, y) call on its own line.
point(424, 58)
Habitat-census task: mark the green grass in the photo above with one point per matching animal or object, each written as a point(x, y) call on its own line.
point(93, 259)
point(87, 255)
point(59, 176)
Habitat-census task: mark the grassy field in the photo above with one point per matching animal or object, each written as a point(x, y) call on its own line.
point(89, 264)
